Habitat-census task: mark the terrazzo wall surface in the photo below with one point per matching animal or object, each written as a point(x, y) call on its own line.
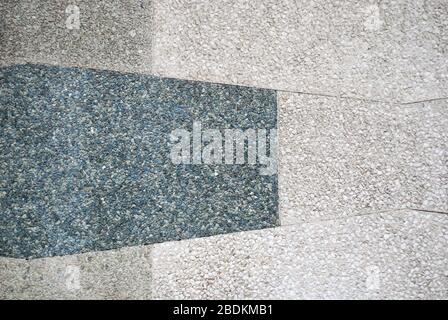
point(94, 206)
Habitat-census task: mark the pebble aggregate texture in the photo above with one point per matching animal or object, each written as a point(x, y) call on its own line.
point(393, 255)
point(341, 157)
point(116, 274)
point(387, 50)
point(112, 34)
point(362, 95)
point(86, 161)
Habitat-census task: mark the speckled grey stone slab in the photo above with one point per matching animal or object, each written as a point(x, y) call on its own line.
point(113, 34)
point(385, 50)
point(86, 161)
point(116, 274)
point(394, 255)
point(340, 157)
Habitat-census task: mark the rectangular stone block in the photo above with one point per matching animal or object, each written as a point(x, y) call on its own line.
point(113, 34)
point(340, 157)
point(115, 274)
point(87, 160)
point(392, 50)
point(396, 255)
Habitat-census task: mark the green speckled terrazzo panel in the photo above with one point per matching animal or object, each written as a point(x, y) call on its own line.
point(85, 161)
